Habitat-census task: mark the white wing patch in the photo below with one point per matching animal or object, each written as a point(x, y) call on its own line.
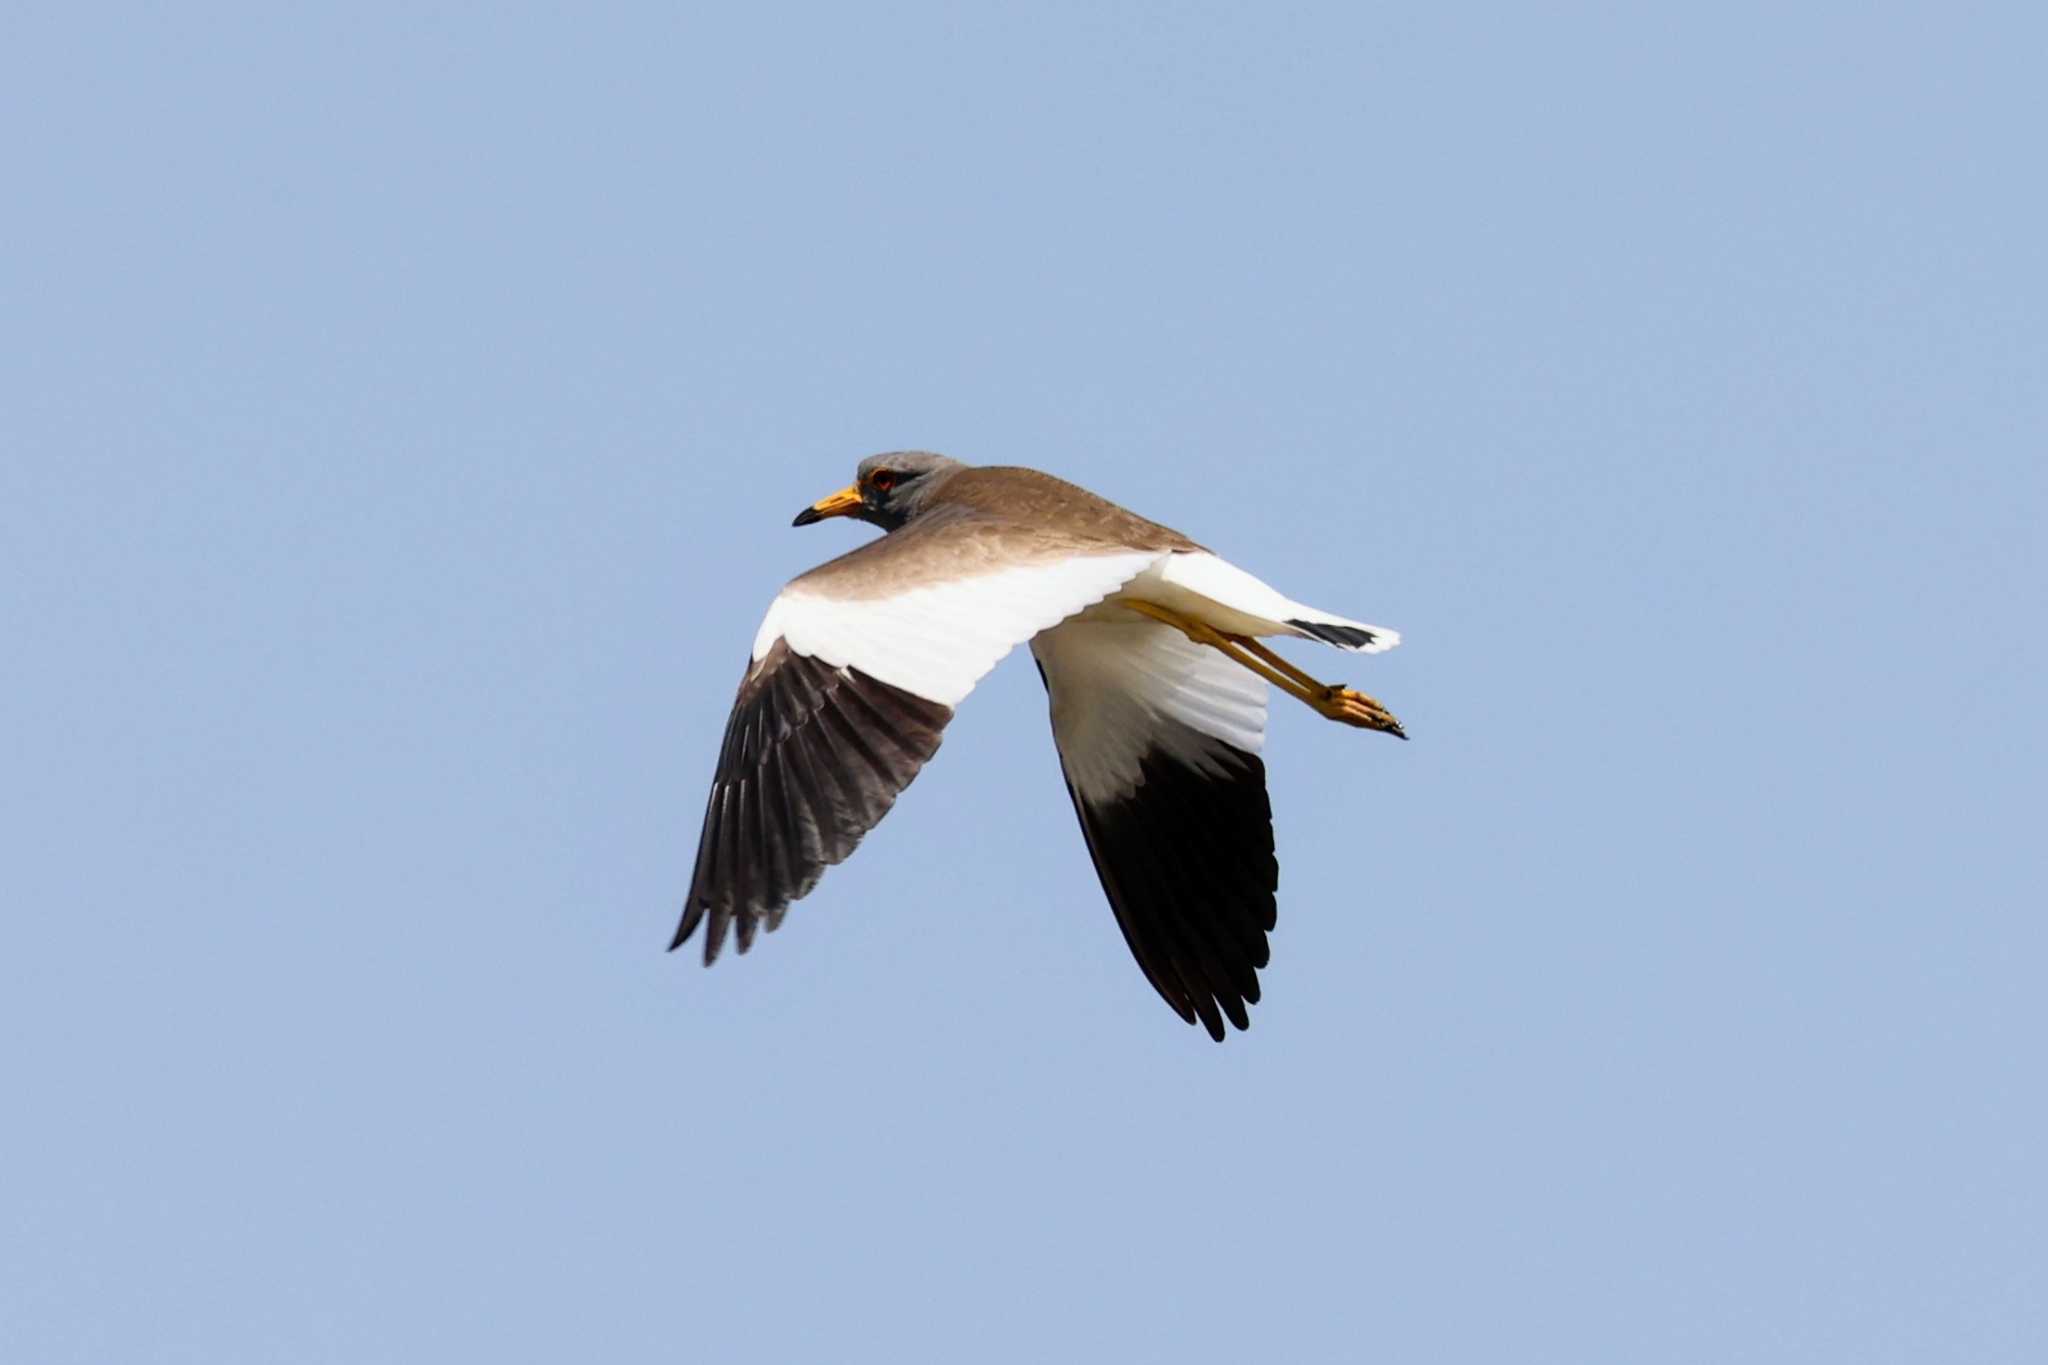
point(1116, 687)
point(939, 640)
point(1214, 590)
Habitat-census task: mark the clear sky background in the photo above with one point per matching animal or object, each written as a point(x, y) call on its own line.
point(401, 416)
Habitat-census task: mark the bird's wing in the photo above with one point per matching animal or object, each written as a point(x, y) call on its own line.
point(842, 703)
point(1159, 739)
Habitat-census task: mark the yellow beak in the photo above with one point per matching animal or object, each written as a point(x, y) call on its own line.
point(843, 503)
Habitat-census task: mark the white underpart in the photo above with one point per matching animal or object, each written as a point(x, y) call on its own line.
point(1215, 591)
point(1121, 689)
point(940, 639)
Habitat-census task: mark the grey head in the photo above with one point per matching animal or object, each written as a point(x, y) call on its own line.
point(887, 491)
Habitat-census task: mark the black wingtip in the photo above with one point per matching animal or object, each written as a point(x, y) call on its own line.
point(1348, 637)
point(1188, 868)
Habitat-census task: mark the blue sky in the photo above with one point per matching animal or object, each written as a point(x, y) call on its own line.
point(402, 414)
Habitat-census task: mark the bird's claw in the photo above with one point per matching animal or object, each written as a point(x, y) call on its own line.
point(1340, 703)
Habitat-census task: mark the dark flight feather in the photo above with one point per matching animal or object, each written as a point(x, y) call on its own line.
point(813, 758)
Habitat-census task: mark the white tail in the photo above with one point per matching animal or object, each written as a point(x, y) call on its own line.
point(1218, 592)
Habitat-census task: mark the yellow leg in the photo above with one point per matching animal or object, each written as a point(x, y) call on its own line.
point(1334, 700)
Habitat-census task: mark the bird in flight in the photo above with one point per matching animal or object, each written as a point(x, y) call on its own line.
point(1148, 645)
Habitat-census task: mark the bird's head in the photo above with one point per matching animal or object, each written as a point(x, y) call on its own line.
point(887, 490)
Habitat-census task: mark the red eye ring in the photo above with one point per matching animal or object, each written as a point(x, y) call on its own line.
point(883, 480)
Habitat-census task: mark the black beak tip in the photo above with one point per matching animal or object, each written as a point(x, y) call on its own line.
point(806, 517)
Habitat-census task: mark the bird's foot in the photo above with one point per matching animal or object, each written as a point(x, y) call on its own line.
point(1340, 703)
point(1334, 700)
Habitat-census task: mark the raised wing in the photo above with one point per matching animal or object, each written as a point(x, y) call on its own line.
point(842, 703)
point(1159, 740)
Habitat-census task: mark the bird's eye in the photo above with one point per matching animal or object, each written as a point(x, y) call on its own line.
point(883, 480)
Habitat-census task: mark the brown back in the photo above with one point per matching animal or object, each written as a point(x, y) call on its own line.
point(985, 519)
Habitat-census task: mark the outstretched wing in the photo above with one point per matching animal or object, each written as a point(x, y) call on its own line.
point(852, 680)
point(1159, 739)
